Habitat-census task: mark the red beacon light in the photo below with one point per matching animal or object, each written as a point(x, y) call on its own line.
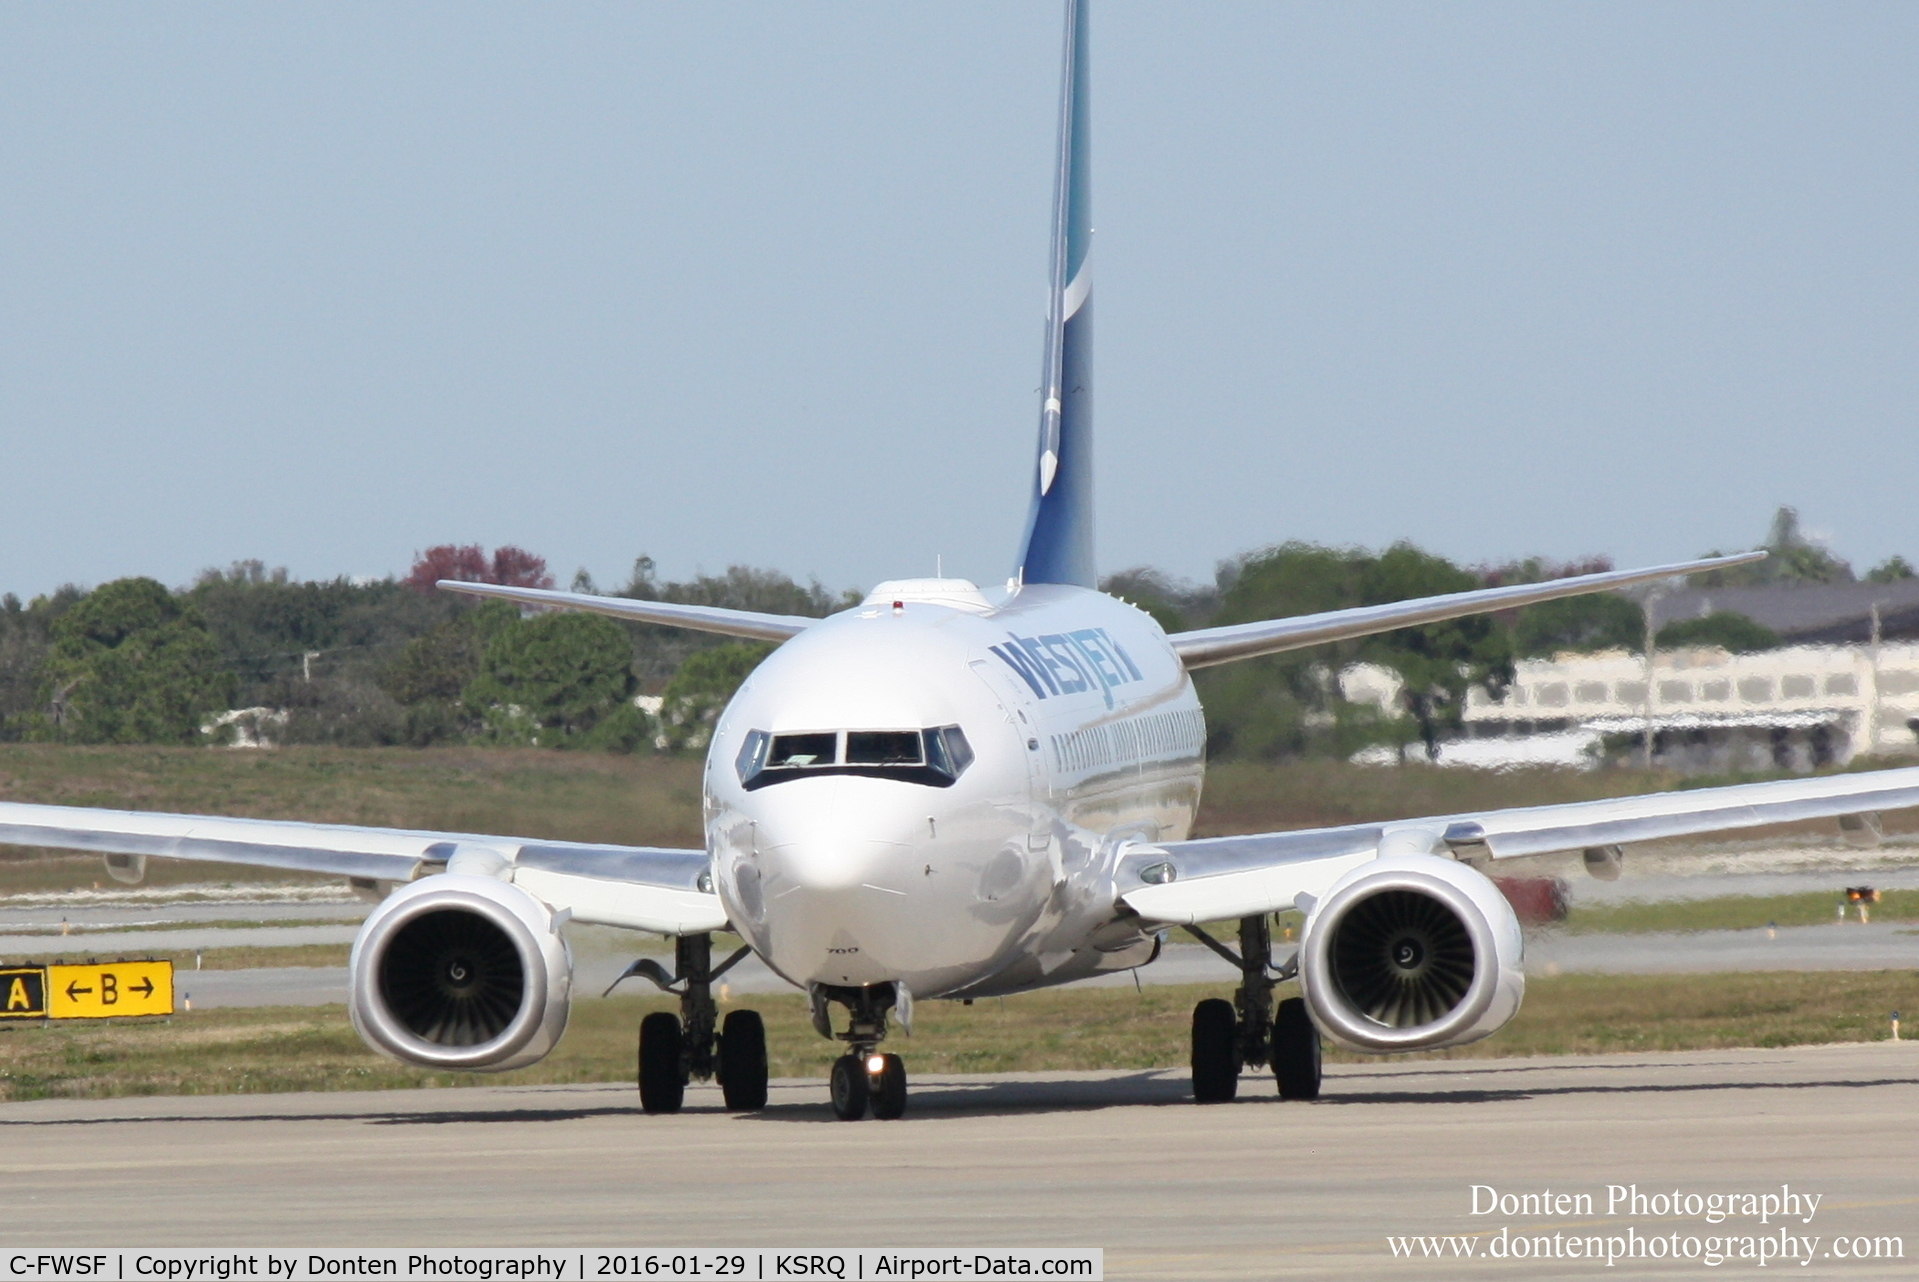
point(899, 607)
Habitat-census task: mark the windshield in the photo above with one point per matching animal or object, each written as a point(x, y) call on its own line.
point(935, 757)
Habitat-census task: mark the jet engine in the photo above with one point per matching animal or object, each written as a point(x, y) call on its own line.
point(1411, 952)
point(462, 972)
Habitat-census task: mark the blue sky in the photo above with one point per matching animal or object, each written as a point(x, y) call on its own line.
point(762, 283)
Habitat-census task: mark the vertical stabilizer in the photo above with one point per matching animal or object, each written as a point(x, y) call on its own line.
point(1059, 532)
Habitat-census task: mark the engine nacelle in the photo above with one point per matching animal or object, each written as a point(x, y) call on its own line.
point(460, 972)
point(1412, 952)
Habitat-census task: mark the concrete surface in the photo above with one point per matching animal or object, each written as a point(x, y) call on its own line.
point(1255, 1189)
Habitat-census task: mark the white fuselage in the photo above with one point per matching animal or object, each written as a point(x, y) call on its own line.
point(1085, 735)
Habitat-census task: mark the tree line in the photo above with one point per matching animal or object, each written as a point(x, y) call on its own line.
point(395, 662)
point(386, 662)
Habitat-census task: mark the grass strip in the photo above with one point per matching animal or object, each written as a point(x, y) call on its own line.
point(287, 1049)
point(1736, 912)
point(184, 960)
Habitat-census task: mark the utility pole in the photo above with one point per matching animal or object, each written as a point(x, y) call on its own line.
point(1872, 703)
point(1646, 735)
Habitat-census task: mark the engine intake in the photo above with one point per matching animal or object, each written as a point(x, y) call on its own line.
point(1412, 953)
point(460, 972)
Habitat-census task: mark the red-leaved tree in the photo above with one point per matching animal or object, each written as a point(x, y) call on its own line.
point(518, 568)
point(515, 567)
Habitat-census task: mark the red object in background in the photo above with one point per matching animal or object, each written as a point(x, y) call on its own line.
point(514, 567)
point(1536, 901)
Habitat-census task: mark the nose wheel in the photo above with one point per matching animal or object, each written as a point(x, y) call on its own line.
point(864, 1079)
point(862, 1082)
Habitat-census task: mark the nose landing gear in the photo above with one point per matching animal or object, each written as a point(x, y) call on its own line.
point(675, 1049)
point(1246, 1031)
point(863, 1078)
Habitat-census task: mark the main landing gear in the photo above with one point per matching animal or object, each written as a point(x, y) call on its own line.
point(1245, 1031)
point(863, 1079)
point(675, 1049)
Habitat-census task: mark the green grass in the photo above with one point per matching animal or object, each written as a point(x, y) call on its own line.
point(1736, 912)
point(282, 1049)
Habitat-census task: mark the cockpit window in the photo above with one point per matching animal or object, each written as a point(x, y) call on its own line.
point(960, 751)
point(934, 758)
point(803, 750)
point(752, 755)
point(883, 748)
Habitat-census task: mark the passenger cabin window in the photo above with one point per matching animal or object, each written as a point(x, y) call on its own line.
point(934, 758)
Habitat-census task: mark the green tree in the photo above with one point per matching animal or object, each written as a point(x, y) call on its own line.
point(700, 690)
point(1281, 705)
point(1726, 629)
point(550, 679)
point(26, 638)
point(131, 664)
point(1439, 662)
point(1175, 606)
point(1597, 621)
point(1892, 570)
point(1794, 559)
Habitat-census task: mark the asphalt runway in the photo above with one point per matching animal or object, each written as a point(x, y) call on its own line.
point(1256, 1189)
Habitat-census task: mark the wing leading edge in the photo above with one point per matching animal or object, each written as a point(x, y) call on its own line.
point(1208, 646)
point(698, 618)
point(1216, 878)
point(637, 887)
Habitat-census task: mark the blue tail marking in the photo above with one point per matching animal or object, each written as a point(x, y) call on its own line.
point(1059, 530)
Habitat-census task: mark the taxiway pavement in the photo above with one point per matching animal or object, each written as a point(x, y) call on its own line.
point(1257, 1188)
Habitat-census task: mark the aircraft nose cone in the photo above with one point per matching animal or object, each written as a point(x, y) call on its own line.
point(838, 863)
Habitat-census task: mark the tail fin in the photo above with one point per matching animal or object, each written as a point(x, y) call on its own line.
point(1059, 532)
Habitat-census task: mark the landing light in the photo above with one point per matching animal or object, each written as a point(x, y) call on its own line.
point(875, 1063)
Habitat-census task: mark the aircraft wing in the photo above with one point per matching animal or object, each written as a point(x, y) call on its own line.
point(1208, 646)
point(699, 618)
point(638, 887)
point(1216, 878)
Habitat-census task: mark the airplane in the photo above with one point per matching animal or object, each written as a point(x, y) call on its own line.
point(950, 792)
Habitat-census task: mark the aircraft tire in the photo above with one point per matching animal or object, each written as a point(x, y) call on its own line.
point(743, 1061)
point(1215, 1051)
point(888, 1088)
point(849, 1088)
point(662, 1079)
point(1295, 1051)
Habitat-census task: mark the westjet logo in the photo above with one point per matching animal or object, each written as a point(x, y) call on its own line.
point(1069, 662)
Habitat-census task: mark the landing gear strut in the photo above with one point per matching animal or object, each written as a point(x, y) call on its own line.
point(675, 1049)
point(1246, 1032)
point(863, 1078)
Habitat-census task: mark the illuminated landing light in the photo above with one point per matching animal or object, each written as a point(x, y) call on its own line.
point(875, 1063)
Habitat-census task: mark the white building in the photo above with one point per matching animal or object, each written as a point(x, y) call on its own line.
point(1797, 707)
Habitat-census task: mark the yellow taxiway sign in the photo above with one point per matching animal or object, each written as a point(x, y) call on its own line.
point(103, 990)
